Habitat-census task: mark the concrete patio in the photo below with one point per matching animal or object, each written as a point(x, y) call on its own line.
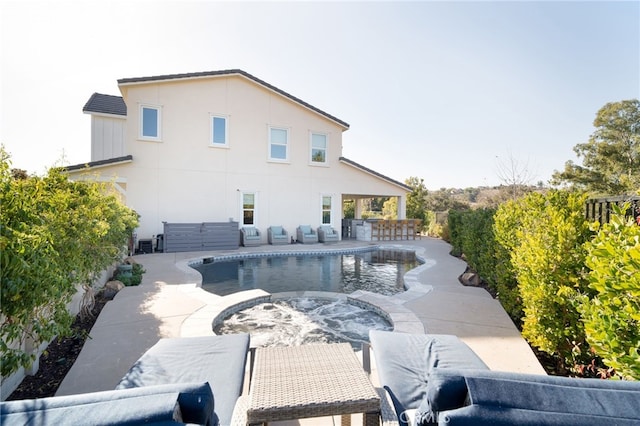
point(169, 303)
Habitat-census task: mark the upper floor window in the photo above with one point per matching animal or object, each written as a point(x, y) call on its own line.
point(150, 122)
point(278, 144)
point(318, 148)
point(219, 133)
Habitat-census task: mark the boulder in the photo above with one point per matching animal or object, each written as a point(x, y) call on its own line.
point(111, 289)
point(470, 278)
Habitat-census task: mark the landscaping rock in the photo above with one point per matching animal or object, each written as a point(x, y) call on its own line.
point(470, 279)
point(111, 289)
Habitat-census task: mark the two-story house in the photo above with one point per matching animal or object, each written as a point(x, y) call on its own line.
point(224, 146)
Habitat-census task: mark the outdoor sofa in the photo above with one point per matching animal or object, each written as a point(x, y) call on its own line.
point(195, 380)
point(306, 234)
point(439, 380)
point(250, 236)
point(326, 234)
point(277, 235)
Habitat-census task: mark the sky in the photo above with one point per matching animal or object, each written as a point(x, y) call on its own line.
point(449, 92)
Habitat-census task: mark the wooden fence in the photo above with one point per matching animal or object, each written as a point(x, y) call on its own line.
point(600, 208)
point(180, 237)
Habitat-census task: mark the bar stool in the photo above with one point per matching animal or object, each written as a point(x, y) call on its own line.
point(375, 230)
point(411, 229)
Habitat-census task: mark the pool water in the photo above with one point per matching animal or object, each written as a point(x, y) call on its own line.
point(299, 321)
point(379, 271)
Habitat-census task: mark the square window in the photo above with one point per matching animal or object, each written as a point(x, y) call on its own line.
point(278, 144)
point(318, 148)
point(150, 122)
point(219, 131)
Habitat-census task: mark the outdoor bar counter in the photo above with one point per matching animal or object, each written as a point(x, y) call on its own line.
point(387, 230)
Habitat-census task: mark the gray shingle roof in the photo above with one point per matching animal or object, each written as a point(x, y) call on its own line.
point(93, 164)
point(105, 104)
point(231, 72)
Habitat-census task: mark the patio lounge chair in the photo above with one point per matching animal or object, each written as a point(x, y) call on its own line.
point(250, 236)
point(306, 235)
point(435, 379)
point(178, 380)
point(327, 234)
point(277, 235)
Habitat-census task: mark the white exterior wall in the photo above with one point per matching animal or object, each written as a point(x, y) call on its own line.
point(107, 136)
point(183, 178)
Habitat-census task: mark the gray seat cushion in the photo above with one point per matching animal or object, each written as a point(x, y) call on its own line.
point(404, 362)
point(450, 389)
point(189, 402)
point(306, 229)
point(219, 360)
point(476, 415)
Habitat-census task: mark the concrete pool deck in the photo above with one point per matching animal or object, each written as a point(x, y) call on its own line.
point(169, 303)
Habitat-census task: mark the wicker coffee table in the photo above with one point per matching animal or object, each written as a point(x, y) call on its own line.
point(298, 382)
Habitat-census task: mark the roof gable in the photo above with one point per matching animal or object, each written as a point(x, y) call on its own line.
point(238, 72)
point(105, 104)
point(374, 173)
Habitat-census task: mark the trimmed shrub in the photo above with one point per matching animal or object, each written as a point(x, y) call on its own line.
point(612, 317)
point(548, 260)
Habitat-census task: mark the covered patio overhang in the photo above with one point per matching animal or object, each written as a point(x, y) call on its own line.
point(377, 186)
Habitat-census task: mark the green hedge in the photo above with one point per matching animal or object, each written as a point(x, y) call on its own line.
point(54, 234)
point(575, 295)
point(548, 261)
point(612, 317)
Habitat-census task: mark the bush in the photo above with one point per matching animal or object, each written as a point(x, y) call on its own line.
point(54, 235)
point(131, 280)
point(509, 218)
point(612, 317)
point(548, 259)
point(455, 233)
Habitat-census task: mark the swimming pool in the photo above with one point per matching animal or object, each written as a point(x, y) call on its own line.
point(376, 270)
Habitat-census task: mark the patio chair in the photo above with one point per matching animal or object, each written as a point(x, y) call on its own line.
point(250, 236)
point(277, 235)
point(327, 234)
point(306, 234)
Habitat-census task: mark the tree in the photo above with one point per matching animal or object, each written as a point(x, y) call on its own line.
point(390, 209)
point(515, 175)
point(611, 157)
point(443, 200)
point(416, 198)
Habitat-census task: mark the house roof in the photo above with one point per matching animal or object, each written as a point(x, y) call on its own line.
point(374, 173)
point(105, 104)
point(206, 74)
point(101, 163)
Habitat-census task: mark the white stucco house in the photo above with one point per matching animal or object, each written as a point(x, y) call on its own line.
point(224, 146)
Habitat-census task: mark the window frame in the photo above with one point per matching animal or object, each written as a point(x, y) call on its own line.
point(212, 142)
point(141, 135)
point(287, 131)
point(254, 209)
point(323, 210)
point(325, 149)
